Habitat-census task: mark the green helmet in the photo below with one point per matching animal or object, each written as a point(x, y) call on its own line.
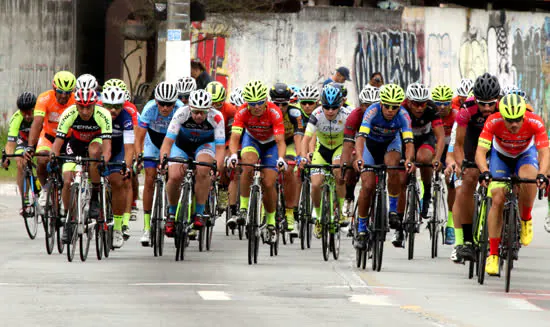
point(391, 93)
point(512, 106)
point(254, 91)
point(115, 82)
point(217, 91)
point(442, 93)
point(64, 81)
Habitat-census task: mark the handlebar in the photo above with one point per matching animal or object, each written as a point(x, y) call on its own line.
point(192, 163)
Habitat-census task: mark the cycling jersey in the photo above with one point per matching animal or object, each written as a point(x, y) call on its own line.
point(19, 128)
point(455, 103)
point(263, 128)
point(471, 118)
point(48, 107)
point(189, 135)
point(156, 124)
point(423, 125)
point(99, 125)
point(448, 122)
point(292, 120)
point(532, 132)
point(353, 123)
point(123, 132)
point(228, 111)
point(379, 129)
point(330, 133)
point(305, 117)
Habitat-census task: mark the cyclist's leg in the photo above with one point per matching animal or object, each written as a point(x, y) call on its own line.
point(121, 193)
point(95, 150)
point(340, 182)
point(425, 155)
point(150, 150)
point(396, 185)
point(268, 156)
point(317, 177)
point(176, 172)
point(368, 186)
point(291, 187)
point(527, 167)
point(204, 153)
point(44, 146)
point(20, 167)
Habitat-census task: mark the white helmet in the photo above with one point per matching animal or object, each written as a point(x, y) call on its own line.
point(309, 92)
point(128, 95)
point(200, 99)
point(466, 86)
point(507, 88)
point(369, 94)
point(186, 85)
point(113, 95)
point(418, 92)
point(236, 97)
point(166, 92)
point(86, 81)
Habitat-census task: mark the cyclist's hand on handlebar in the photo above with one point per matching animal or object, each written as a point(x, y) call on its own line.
point(232, 161)
point(485, 178)
point(281, 164)
point(6, 163)
point(29, 153)
point(409, 166)
point(358, 165)
point(449, 170)
point(542, 181)
point(436, 164)
point(303, 161)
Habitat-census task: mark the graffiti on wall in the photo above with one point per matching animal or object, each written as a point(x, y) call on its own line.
point(439, 59)
point(393, 53)
point(211, 51)
point(527, 58)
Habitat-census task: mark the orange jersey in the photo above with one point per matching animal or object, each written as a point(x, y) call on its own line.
point(48, 107)
point(456, 103)
point(228, 111)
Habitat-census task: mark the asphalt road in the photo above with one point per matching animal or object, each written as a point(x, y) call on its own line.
point(297, 288)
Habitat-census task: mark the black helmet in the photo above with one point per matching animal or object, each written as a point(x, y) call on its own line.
point(341, 87)
point(280, 92)
point(26, 101)
point(486, 87)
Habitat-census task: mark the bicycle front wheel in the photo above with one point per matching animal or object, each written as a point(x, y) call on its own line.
point(410, 224)
point(87, 234)
point(99, 235)
point(511, 241)
point(30, 207)
point(71, 223)
point(335, 229)
point(325, 218)
point(483, 242)
point(51, 212)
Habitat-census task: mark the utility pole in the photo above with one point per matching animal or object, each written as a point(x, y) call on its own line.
point(178, 44)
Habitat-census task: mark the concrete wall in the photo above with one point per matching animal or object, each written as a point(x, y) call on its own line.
point(36, 40)
point(432, 45)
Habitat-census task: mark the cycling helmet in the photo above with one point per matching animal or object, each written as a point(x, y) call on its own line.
point(294, 96)
point(519, 92)
point(331, 96)
point(309, 92)
point(86, 81)
point(26, 101)
point(442, 93)
point(186, 85)
point(280, 92)
point(200, 99)
point(166, 92)
point(128, 95)
point(236, 97)
point(254, 91)
point(391, 94)
point(486, 87)
point(115, 82)
point(64, 81)
point(512, 106)
point(113, 95)
point(418, 92)
point(506, 89)
point(85, 97)
point(217, 91)
point(466, 86)
point(341, 87)
point(369, 94)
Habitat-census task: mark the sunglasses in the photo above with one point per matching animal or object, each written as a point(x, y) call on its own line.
point(329, 108)
point(486, 103)
point(257, 103)
point(199, 111)
point(185, 96)
point(113, 106)
point(58, 91)
point(165, 104)
point(309, 103)
point(281, 103)
point(419, 104)
point(217, 104)
point(440, 103)
point(515, 120)
point(391, 107)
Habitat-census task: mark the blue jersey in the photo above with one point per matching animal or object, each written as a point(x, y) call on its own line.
point(123, 132)
point(379, 129)
point(156, 125)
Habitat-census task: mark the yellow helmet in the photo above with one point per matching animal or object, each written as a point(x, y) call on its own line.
point(254, 91)
point(115, 82)
point(217, 91)
point(442, 93)
point(391, 93)
point(512, 106)
point(64, 81)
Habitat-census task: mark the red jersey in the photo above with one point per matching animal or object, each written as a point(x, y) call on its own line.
point(532, 132)
point(228, 111)
point(455, 103)
point(263, 128)
point(353, 123)
point(448, 122)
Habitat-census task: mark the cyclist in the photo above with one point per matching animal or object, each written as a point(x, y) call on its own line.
point(470, 121)
point(236, 97)
point(49, 107)
point(195, 132)
point(328, 122)
point(385, 128)
point(262, 122)
point(442, 96)
point(150, 133)
point(18, 132)
point(517, 136)
point(368, 96)
point(309, 100)
point(186, 85)
point(462, 92)
point(122, 148)
point(91, 127)
point(87, 81)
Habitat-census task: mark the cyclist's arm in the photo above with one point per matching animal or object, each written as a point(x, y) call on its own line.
point(57, 144)
point(359, 146)
point(106, 149)
point(105, 122)
point(439, 133)
point(140, 138)
point(13, 132)
point(458, 149)
point(66, 121)
point(308, 138)
point(236, 132)
point(36, 128)
point(129, 146)
point(543, 157)
point(483, 146)
point(166, 147)
point(281, 145)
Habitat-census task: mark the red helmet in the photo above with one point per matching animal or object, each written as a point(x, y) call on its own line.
point(85, 97)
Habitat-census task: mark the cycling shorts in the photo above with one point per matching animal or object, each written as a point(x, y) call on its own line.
point(45, 142)
point(77, 148)
point(504, 166)
point(267, 152)
point(206, 148)
point(374, 152)
point(150, 150)
point(324, 156)
point(290, 152)
point(118, 157)
point(425, 142)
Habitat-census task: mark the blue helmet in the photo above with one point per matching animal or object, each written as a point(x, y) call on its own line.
point(331, 96)
point(519, 92)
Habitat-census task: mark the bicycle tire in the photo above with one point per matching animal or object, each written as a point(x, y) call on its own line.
point(72, 221)
point(511, 239)
point(50, 219)
point(31, 223)
point(107, 227)
point(303, 231)
point(157, 209)
point(108, 239)
point(160, 236)
point(99, 234)
point(58, 235)
point(483, 247)
point(325, 212)
point(335, 235)
point(252, 226)
point(209, 234)
point(380, 235)
point(309, 233)
point(86, 236)
point(434, 223)
point(182, 220)
point(411, 221)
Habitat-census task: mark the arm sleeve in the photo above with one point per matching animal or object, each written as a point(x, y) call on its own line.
point(238, 122)
point(66, 121)
point(486, 136)
point(463, 117)
point(541, 137)
point(352, 125)
point(277, 121)
point(311, 125)
point(406, 127)
point(219, 129)
point(453, 138)
point(15, 124)
point(295, 116)
point(181, 115)
point(128, 132)
point(41, 106)
point(106, 123)
point(145, 117)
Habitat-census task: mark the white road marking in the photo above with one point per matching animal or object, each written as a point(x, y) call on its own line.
point(522, 304)
point(175, 284)
point(214, 296)
point(377, 300)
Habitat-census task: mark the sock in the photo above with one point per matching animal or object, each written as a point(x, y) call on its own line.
point(118, 222)
point(526, 213)
point(467, 233)
point(349, 192)
point(341, 203)
point(134, 204)
point(459, 236)
point(493, 245)
point(126, 219)
point(172, 209)
point(318, 212)
point(233, 209)
point(146, 221)
point(450, 222)
point(393, 202)
point(95, 191)
point(289, 212)
point(244, 202)
point(199, 209)
point(270, 218)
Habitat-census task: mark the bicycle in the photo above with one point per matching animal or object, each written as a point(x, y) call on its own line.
point(160, 207)
point(439, 215)
point(29, 195)
point(411, 224)
point(52, 218)
point(211, 209)
point(234, 175)
point(330, 213)
point(280, 216)
point(480, 233)
point(305, 208)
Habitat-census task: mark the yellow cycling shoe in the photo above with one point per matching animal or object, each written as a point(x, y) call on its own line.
point(526, 235)
point(491, 267)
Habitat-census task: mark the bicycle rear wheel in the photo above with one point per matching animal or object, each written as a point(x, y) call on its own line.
point(201, 233)
point(51, 213)
point(99, 235)
point(325, 218)
point(72, 221)
point(86, 236)
point(31, 218)
point(511, 240)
